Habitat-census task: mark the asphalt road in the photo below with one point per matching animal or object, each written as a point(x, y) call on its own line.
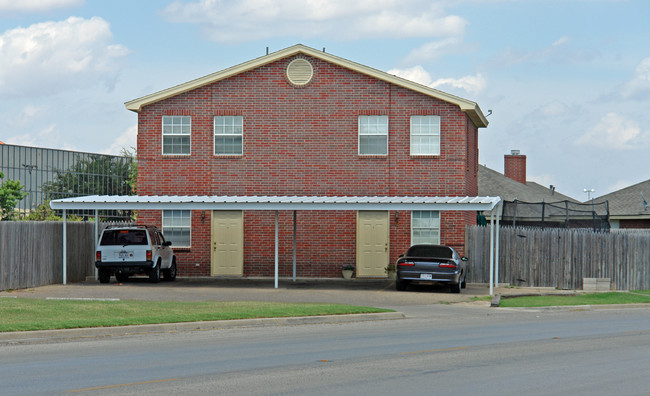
point(438, 349)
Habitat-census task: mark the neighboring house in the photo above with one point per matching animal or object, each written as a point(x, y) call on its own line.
point(528, 203)
point(302, 122)
point(512, 184)
point(628, 207)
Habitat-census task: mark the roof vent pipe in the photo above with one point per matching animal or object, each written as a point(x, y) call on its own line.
point(267, 50)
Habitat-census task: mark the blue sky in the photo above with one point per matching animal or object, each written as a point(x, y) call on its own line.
point(568, 82)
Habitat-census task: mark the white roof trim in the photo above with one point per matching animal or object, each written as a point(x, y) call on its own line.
point(195, 202)
point(471, 108)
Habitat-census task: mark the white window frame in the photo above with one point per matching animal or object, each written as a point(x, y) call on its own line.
point(221, 129)
point(434, 225)
point(183, 227)
point(370, 125)
point(172, 129)
point(427, 126)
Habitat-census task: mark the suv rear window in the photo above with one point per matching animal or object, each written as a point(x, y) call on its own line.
point(124, 237)
point(429, 251)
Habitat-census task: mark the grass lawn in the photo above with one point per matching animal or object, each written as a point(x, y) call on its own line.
point(34, 314)
point(634, 297)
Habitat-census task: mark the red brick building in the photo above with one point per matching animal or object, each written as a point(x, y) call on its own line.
point(304, 122)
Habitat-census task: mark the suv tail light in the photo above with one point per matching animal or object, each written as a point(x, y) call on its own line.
point(149, 255)
point(406, 263)
point(98, 255)
point(447, 265)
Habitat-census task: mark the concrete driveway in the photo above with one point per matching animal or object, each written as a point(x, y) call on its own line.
point(366, 292)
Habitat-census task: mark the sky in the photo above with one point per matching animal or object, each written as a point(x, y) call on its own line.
point(566, 82)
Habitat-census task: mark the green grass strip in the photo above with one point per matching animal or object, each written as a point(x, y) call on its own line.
point(34, 314)
point(635, 297)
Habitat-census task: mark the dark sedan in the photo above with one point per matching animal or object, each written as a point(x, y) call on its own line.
point(431, 264)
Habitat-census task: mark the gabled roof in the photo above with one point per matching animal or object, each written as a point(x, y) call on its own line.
point(628, 202)
point(470, 108)
point(495, 184)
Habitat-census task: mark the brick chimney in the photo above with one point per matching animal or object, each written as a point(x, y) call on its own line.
point(515, 166)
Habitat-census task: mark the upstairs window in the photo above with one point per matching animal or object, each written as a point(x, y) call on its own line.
point(228, 135)
point(373, 135)
point(177, 227)
point(425, 227)
point(425, 135)
point(176, 132)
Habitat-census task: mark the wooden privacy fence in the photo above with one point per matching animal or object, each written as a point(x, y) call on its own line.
point(31, 253)
point(561, 258)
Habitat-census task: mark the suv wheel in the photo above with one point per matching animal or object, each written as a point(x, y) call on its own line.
point(170, 274)
point(154, 274)
point(104, 275)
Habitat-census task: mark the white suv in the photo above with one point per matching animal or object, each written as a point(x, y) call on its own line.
point(126, 251)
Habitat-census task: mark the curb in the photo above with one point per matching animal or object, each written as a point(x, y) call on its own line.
point(41, 336)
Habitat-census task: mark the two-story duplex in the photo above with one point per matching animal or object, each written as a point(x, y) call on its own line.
point(303, 122)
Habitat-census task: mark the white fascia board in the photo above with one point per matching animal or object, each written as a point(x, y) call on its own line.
point(275, 203)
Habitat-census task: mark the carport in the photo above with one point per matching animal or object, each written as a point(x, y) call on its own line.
point(285, 203)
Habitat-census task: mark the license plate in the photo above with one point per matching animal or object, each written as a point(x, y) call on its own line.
point(426, 276)
point(125, 254)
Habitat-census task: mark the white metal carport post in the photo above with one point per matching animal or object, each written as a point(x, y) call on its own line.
point(492, 254)
point(276, 249)
point(65, 245)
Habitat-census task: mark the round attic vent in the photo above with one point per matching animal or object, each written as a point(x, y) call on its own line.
point(299, 72)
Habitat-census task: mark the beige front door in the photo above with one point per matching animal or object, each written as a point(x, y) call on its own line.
point(227, 243)
point(372, 243)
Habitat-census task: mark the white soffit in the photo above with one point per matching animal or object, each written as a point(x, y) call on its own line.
point(175, 202)
point(469, 107)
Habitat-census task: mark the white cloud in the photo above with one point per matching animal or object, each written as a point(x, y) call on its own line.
point(230, 22)
point(433, 50)
point(558, 52)
point(36, 5)
point(49, 57)
point(126, 140)
point(615, 132)
point(470, 84)
point(560, 41)
point(639, 86)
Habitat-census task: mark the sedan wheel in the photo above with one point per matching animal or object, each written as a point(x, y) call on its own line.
point(455, 287)
point(400, 285)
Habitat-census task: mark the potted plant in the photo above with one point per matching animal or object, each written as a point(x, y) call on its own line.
point(347, 271)
point(390, 271)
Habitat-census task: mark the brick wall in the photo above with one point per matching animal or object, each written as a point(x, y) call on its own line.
point(515, 167)
point(304, 141)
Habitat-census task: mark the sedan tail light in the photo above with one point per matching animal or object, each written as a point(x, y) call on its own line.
point(406, 263)
point(149, 255)
point(447, 265)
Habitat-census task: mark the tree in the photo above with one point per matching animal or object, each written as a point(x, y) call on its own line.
point(96, 175)
point(132, 153)
point(10, 194)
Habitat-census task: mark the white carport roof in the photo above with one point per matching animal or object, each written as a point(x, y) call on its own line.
point(275, 203)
